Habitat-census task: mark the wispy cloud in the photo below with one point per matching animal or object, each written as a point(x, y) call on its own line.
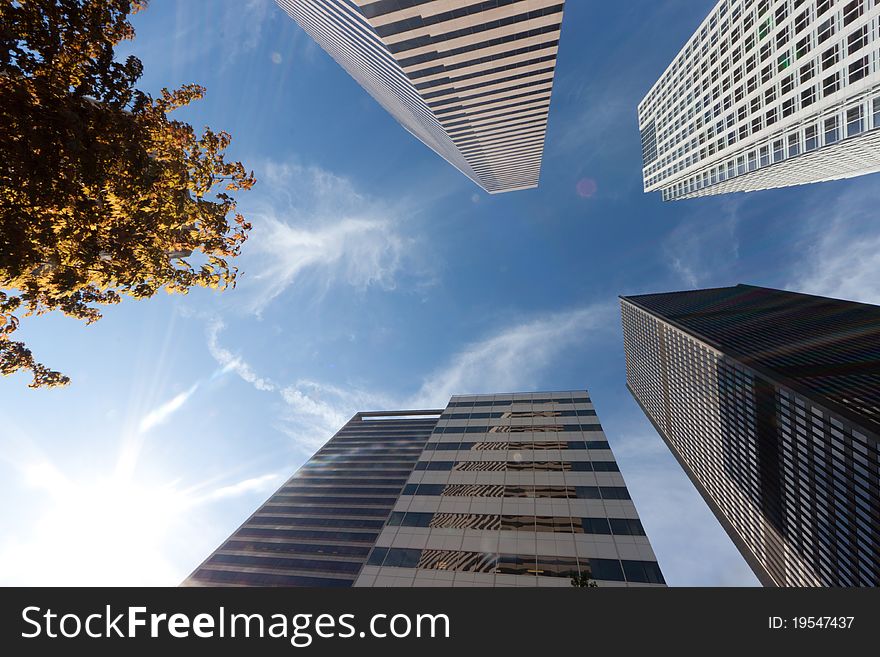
point(253, 485)
point(314, 411)
point(229, 362)
point(314, 228)
point(513, 358)
point(702, 249)
point(162, 412)
point(840, 247)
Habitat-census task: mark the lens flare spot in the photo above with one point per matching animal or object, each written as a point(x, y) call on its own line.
point(586, 187)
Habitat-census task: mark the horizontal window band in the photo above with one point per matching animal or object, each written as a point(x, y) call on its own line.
point(435, 55)
point(471, 30)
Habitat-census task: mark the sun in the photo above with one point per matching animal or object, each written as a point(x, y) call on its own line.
point(104, 530)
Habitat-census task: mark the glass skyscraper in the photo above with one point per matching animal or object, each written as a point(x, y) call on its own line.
point(495, 490)
point(766, 93)
point(471, 79)
point(770, 401)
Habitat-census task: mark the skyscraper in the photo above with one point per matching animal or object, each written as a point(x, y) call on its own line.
point(770, 401)
point(766, 93)
point(495, 490)
point(470, 79)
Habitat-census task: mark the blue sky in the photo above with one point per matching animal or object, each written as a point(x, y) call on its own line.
point(377, 276)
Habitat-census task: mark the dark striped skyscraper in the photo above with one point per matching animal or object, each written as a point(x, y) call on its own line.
point(770, 401)
point(495, 490)
point(470, 78)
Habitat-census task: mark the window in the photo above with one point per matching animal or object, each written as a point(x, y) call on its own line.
point(595, 525)
point(642, 571)
point(826, 29)
point(778, 150)
point(830, 57)
point(857, 40)
point(830, 84)
point(855, 123)
point(832, 133)
point(852, 11)
point(807, 72)
point(808, 96)
point(858, 69)
point(811, 138)
point(402, 557)
point(626, 527)
point(783, 61)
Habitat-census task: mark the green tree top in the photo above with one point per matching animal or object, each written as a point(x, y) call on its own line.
point(101, 194)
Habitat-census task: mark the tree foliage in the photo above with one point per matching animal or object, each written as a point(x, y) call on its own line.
point(102, 195)
point(583, 581)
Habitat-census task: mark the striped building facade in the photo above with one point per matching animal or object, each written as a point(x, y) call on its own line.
point(770, 401)
point(495, 490)
point(472, 79)
point(319, 527)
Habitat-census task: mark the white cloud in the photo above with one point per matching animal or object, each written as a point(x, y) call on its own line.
point(161, 413)
point(514, 358)
point(314, 227)
point(703, 249)
point(259, 484)
point(229, 362)
point(841, 248)
point(315, 411)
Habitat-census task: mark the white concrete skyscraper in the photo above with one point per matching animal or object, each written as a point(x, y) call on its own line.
point(766, 93)
point(472, 79)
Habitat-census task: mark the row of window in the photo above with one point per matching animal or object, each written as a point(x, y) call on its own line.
point(514, 564)
point(307, 534)
point(535, 445)
point(517, 466)
point(502, 490)
point(239, 578)
point(489, 522)
point(510, 466)
point(288, 563)
point(518, 414)
point(803, 139)
point(327, 490)
point(305, 479)
point(537, 428)
point(508, 402)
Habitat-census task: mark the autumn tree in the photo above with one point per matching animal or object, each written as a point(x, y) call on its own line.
point(102, 195)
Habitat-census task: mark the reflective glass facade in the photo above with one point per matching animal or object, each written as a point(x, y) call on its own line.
point(514, 490)
point(770, 400)
point(319, 527)
point(496, 490)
